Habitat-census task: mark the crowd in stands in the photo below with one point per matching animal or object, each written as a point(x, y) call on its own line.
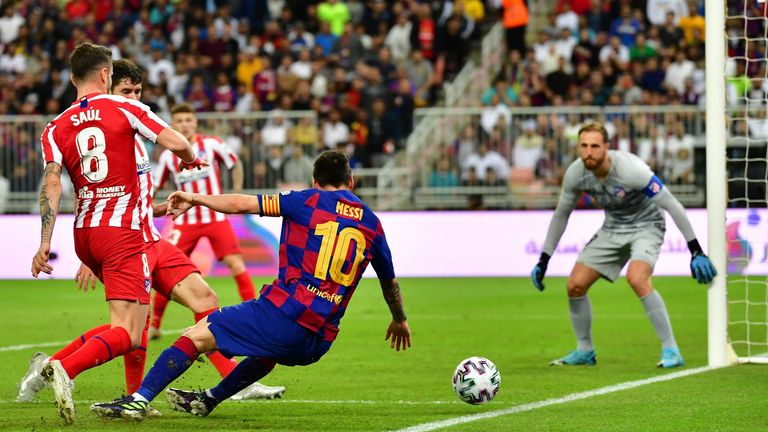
point(610, 54)
point(363, 66)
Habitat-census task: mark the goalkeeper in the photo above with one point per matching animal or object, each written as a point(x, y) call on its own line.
point(633, 231)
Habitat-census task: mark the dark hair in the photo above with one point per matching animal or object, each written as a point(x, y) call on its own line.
point(88, 58)
point(332, 169)
point(183, 108)
point(125, 70)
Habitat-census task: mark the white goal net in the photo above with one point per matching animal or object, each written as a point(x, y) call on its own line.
point(746, 118)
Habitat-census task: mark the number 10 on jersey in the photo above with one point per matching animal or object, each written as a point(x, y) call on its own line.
point(334, 249)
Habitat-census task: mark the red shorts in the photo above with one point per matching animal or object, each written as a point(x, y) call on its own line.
point(168, 266)
point(117, 258)
point(220, 234)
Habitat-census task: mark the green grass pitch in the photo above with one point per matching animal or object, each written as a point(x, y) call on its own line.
point(362, 385)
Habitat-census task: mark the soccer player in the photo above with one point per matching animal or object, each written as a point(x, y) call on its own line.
point(633, 232)
point(172, 274)
point(202, 222)
point(328, 239)
point(94, 140)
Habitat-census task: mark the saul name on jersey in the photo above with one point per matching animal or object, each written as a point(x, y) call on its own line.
point(84, 116)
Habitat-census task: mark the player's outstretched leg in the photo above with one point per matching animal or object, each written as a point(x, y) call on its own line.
point(171, 364)
point(126, 407)
point(159, 303)
point(259, 391)
point(62, 385)
point(196, 403)
point(242, 379)
point(33, 380)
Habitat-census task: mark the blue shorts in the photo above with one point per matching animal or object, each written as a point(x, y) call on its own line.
point(257, 328)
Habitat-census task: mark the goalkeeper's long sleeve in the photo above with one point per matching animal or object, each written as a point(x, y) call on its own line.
point(667, 201)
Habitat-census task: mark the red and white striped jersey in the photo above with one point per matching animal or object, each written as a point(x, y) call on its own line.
point(206, 181)
point(146, 191)
point(94, 140)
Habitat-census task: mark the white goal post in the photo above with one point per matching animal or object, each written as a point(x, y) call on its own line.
point(737, 313)
point(717, 301)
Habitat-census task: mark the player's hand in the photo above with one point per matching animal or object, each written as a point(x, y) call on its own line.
point(40, 260)
point(196, 163)
point(400, 334)
point(85, 278)
point(702, 269)
point(160, 209)
point(178, 203)
point(537, 274)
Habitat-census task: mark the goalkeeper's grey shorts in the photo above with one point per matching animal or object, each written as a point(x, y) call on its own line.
point(608, 252)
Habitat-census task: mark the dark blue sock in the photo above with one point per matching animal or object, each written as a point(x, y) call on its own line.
point(172, 362)
point(246, 373)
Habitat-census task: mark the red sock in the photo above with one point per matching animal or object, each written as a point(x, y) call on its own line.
point(80, 341)
point(134, 363)
point(97, 350)
point(159, 304)
point(245, 286)
point(221, 363)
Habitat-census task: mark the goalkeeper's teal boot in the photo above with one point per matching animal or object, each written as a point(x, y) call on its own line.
point(576, 358)
point(670, 357)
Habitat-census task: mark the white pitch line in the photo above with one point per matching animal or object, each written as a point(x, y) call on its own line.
point(61, 343)
point(424, 427)
point(290, 401)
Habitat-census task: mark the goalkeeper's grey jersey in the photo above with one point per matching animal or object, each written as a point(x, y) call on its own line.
point(631, 195)
point(624, 194)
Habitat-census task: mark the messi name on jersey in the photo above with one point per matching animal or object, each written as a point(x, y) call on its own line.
point(349, 211)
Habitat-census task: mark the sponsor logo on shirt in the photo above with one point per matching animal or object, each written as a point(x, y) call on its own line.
point(101, 192)
point(333, 298)
point(619, 192)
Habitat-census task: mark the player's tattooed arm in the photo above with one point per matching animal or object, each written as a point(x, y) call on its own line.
point(391, 291)
point(50, 198)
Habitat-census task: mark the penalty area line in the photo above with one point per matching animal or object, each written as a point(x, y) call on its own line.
point(62, 343)
point(424, 427)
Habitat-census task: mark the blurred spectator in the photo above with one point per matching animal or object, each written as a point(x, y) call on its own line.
point(380, 143)
point(482, 160)
point(515, 19)
point(680, 155)
point(398, 39)
point(658, 11)
point(10, 23)
point(297, 168)
point(335, 132)
point(625, 27)
point(502, 90)
point(567, 18)
point(669, 33)
point(616, 53)
point(305, 135)
point(692, 22)
point(421, 74)
point(653, 76)
point(678, 72)
point(528, 147)
point(443, 175)
point(335, 13)
point(492, 178)
point(641, 51)
point(550, 165)
point(493, 112)
point(400, 108)
point(276, 131)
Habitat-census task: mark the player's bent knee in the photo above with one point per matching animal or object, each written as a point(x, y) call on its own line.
point(201, 336)
point(576, 288)
point(196, 294)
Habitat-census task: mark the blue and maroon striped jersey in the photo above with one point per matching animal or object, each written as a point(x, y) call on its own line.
point(327, 240)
